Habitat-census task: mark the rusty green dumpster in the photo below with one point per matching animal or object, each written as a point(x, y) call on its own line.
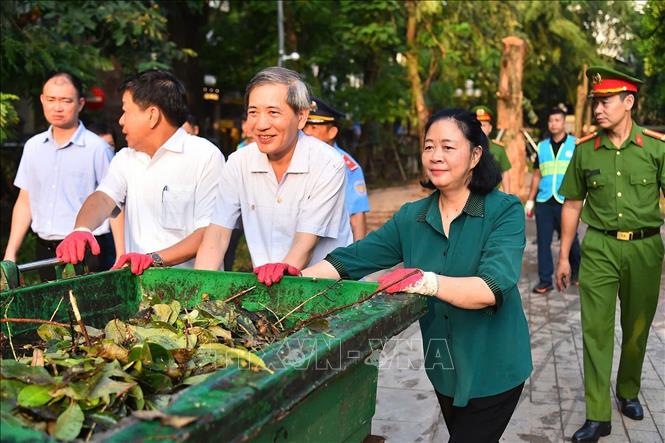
point(323, 388)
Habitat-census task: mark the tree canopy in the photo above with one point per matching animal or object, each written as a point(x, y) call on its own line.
point(354, 54)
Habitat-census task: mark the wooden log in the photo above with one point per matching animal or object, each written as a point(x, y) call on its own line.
point(509, 110)
point(580, 105)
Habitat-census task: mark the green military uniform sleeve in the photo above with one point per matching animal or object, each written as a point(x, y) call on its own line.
point(501, 157)
point(661, 166)
point(573, 186)
point(381, 249)
point(501, 260)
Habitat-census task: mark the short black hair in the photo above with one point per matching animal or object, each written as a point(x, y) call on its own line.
point(74, 80)
point(191, 119)
point(624, 94)
point(99, 127)
point(556, 110)
point(486, 175)
point(160, 88)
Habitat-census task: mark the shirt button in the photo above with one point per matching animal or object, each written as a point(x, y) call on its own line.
point(618, 194)
point(619, 173)
point(594, 183)
point(620, 214)
point(279, 199)
point(618, 153)
point(644, 180)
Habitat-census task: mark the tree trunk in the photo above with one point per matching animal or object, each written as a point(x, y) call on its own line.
point(580, 105)
point(587, 118)
point(289, 28)
point(417, 93)
point(509, 110)
point(186, 28)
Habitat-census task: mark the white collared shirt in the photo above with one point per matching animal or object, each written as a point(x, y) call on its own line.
point(168, 196)
point(59, 178)
point(309, 199)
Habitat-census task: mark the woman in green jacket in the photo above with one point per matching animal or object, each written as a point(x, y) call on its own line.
point(463, 246)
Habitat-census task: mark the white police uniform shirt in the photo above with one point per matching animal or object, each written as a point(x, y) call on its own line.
point(309, 199)
point(168, 196)
point(59, 178)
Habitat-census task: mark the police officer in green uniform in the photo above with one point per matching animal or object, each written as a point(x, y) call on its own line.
point(484, 116)
point(619, 170)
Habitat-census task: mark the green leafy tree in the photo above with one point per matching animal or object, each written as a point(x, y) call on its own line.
point(84, 37)
point(8, 115)
point(650, 48)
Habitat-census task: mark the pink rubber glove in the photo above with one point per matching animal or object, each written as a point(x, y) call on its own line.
point(424, 283)
point(272, 273)
point(72, 248)
point(138, 262)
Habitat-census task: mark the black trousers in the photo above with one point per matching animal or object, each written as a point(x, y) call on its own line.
point(483, 419)
point(230, 255)
point(95, 263)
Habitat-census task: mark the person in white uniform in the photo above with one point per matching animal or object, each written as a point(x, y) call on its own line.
point(166, 180)
point(59, 169)
point(287, 187)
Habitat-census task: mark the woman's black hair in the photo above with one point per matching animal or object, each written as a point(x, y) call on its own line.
point(486, 175)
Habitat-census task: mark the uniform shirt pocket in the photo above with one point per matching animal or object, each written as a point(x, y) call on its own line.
point(645, 186)
point(177, 206)
point(595, 181)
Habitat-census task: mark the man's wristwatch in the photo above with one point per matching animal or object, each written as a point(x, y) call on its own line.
point(157, 260)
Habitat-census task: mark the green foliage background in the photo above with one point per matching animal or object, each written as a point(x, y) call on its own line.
point(339, 42)
point(351, 52)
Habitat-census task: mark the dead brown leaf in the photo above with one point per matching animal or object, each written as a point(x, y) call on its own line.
point(175, 421)
point(37, 358)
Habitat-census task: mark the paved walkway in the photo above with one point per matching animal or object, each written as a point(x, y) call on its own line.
point(552, 405)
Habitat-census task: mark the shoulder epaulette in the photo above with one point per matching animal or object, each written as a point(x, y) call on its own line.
point(655, 134)
point(585, 138)
point(350, 163)
point(497, 142)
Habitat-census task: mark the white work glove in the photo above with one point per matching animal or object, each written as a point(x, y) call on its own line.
point(528, 208)
point(410, 280)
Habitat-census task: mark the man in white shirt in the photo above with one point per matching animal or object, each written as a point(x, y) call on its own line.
point(59, 169)
point(165, 181)
point(287, 187)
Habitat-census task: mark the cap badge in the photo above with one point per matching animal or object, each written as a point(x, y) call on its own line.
point(596, 79)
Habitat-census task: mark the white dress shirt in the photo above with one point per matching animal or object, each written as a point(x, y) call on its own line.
point(309, 199)
point(59, 178)
point(168, 196)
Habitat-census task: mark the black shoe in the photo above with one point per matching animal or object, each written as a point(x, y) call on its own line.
point(631, 408)
point(542, 288)
point(592, 431)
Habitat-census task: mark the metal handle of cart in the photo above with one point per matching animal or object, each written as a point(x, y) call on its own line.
point(11, 272)
point(39, 264)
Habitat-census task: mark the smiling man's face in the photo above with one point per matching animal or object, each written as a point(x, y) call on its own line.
point(272, 122)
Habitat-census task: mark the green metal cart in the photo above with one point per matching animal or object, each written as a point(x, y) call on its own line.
point(323, 388)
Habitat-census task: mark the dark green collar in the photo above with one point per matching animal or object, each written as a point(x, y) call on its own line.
point(475, 207)
point(635, 138)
